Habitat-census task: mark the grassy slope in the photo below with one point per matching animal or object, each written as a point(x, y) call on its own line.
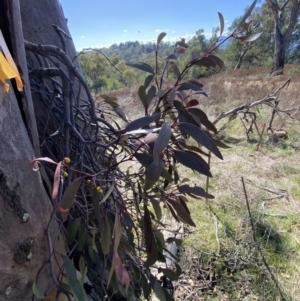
point(222, 241)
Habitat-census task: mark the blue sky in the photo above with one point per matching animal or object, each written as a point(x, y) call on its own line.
point(98, 23)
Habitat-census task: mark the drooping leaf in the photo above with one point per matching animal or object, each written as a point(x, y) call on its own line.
point(69, 196)
point(105, 232)
point(250, 38)
point(181, 212)
point(36, 291)
point(192, 162)
point(193, 148)
point(206, 62)
point(151, 94)
point(96, 205)
point(158, 290)
point(201, 137)
point(247, 14)
point(108, 193)
point(153, 173)
point(146, 286)
point(143, 96)
point(112, 103)
point(218, 61)
point(73, 282)
point(151, 247)
point(196, 112)
point(145, 160)
point(199, 191)
point(139, 123)
point(157, 208)
point(182, 111)
point(72, 230)
point(162, 141)
point(118, 229)
point(183, 200)
point(121, 114)
point(141, 66)
point(222, 23)
point(175, 69)
point(160, 37)
point(55, 190)
point(221, 144)
point(120, 270)
point(81, 237)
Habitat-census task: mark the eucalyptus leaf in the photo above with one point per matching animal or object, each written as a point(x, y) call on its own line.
point(141, 66)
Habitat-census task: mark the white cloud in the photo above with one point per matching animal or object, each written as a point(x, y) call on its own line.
point(173, 31)
point(157, 30)
point(82, 37)
point(125, 30)
point(226, 21)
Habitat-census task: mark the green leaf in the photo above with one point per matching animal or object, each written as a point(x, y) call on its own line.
point(175, 69)
point(162, 141)
point(139, 123)
point(36, 291)
point(141, 66)
point(202, 138)
point(148, 80)
point(153, 173)
point(73, 282)
point(192, 162)
point(160, 37)
point(72, 230)
point(172, 57)
point(199, 191)
point(151, 247)
point(151, 94)
point(181, 212)
point(250, 38)
point(221, 144)
point(118, 229)
point(198, 113)
point(81, 237)
point(112, 103)
point(222, 23)
point(143, 96)
point(69, 196)
point(157, 208)
point(158, 290)
point(108, 193)
point(105, 232)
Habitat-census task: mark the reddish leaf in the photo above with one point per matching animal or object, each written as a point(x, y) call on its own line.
point(192, 103)
point(121, 272)
point(193, 148)
point(181, 212)
point(39, 165)
point(247, 14)
point(196, 112)
point(55, 190)
point(162, 141)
